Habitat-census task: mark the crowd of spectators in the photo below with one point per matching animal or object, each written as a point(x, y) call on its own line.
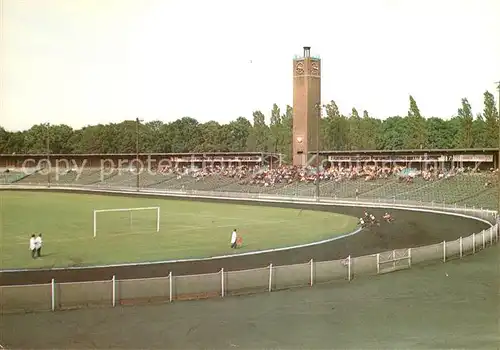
point(279, 176)
point(282, 175)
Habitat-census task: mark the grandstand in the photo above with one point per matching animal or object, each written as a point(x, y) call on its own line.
point(483, 159)
point(449, 182)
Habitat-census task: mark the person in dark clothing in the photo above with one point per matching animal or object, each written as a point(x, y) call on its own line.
point(38, 245)
point(33, 246)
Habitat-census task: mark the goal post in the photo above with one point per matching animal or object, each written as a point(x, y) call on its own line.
point(156, 209)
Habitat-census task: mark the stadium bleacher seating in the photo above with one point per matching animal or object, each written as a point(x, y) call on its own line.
point(10, 175)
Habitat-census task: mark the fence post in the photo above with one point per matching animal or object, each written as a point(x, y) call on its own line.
point(473, 243)
point(461, 247)
point(312, 272)
point(444, 251)
point(409, 257)
point(53, 294)
point(378, 262)
point(270, 277)
point(349, 268)
point(484, 239)
point(113, 281)
point(491, 235)
point(170, 286)
point(222, 282)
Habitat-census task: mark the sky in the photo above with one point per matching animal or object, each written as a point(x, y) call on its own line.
point(82, 62)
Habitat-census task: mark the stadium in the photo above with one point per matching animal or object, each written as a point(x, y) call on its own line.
point(96, 220)
point(296, 246)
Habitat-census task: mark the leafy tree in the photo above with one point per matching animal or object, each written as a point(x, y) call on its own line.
point(16, 142)
point(416, 134)
point(35, 140)
point(370, 132)
point(337, 132)
point(237, 134)
point(393, 133)
point(441, 133)
point(4, 141)
point(355, 131)
point(212, 138)
point(185, 135)
point(287, 122)
point(478, 132)
point(259, 134)
point(336, 128)
point(490, 115)
point(466, 120)
point(276, 129)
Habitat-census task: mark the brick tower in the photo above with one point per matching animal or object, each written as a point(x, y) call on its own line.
point(306, 104)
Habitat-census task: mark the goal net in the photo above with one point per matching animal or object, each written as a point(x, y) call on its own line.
point(127, 220)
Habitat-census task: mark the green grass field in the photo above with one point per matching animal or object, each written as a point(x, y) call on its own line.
point(187, 229)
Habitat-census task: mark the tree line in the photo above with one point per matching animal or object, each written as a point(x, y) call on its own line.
point(356, 131)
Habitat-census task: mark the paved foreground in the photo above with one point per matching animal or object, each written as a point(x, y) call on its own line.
point(452, 305)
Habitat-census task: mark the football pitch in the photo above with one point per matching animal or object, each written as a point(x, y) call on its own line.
point(188, 229)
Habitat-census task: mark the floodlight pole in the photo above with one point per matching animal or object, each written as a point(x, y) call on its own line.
point(137, 123)
point(318, 122)
point(48, 155)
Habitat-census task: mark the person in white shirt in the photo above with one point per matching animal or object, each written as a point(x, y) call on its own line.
point(38, 245)
point(234, 237)
point(33, 246)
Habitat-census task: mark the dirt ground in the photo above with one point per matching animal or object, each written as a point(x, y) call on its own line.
point(410, 229)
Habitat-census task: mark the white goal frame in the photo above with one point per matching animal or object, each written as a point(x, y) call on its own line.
point(130, 210)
